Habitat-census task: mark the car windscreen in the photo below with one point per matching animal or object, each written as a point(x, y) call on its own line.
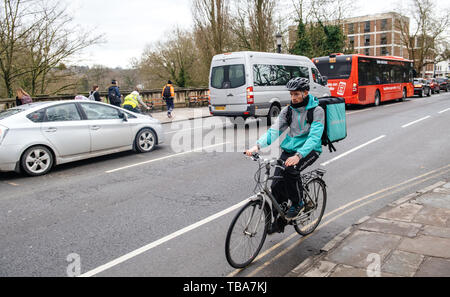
point(228, 76)
point(9, 112)
point(334, 68)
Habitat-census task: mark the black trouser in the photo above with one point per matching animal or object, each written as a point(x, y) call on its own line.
point(131, 108)
point(290, 187)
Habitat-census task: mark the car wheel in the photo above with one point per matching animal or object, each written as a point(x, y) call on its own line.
point(37, 160)
point(145, 141)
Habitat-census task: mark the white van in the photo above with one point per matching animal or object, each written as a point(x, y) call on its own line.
point(253, 84)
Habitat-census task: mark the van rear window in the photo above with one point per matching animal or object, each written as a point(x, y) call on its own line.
point(228, 77)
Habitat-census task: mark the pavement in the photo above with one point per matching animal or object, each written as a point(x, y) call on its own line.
point(182, 114)
point(408, 238)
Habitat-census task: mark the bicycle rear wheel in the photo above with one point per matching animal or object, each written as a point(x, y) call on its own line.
point(247, 234)
point(308, 222)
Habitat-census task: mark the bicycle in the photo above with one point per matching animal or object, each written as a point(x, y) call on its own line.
point(252, 221)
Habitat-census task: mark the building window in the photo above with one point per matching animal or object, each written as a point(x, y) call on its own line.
point(367, 26)
point(384, 25)
point(351, 28)
point(351, 41)
point(384, 51)
point(367, 51)
point(366, 40)
point(383, 38)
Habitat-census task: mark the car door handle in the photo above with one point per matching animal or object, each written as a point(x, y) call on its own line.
point(95, 127)
point(230, 95)
point(51, 130)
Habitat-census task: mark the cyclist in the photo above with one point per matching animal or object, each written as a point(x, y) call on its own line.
point(133, 100)
point(300, 149)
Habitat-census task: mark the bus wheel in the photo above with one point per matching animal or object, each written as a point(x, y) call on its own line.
point(377, 98)
point(404, 96)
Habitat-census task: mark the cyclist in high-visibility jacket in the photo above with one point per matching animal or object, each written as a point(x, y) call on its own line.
point(132, 101)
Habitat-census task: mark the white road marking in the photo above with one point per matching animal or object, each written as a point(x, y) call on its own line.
point(353, 150)
point(162, 240)
point(415, 122)
point(163, 158)
point(358, 111)
point(442, 111)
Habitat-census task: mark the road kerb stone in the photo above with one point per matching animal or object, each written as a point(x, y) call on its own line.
point(432, 187)
point(335, 241)
point(320, 269)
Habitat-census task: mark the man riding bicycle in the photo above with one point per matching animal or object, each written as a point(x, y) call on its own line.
point(301, 147)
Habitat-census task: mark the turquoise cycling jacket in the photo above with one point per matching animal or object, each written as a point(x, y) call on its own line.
point(302, 137)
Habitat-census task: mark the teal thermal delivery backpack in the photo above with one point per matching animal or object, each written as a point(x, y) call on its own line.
point(335, 121)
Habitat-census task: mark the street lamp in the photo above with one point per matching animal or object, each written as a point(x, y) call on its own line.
point(279, 38)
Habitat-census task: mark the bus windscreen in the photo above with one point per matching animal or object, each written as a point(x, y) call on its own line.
point(340, 69)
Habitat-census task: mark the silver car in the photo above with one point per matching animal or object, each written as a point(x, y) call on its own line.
point(35, 137)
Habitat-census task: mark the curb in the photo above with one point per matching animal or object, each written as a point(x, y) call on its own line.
point(301, 269)
point(185, 119)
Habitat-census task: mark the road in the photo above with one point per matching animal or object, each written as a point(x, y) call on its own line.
point(166, 213)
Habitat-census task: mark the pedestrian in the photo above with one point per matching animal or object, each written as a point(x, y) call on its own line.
point(132, 101)
point(114, 96)
point(22, 97)
point(94, 95)
point(168, 95)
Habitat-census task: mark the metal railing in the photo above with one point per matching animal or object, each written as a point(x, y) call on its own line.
point(189, 97)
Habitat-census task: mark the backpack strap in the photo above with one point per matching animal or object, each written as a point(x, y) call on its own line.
point(310, 116)
point(289, 116)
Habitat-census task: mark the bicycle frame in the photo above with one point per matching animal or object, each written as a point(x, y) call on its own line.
point(266, 194)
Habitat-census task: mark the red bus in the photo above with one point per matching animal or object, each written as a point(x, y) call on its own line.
point(363, 80)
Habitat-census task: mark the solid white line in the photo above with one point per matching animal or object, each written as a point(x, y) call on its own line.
point(442, 111)
point(163, 158)
point(358, 111)
point(353, 150)
point(162, 240)
point(419, 120)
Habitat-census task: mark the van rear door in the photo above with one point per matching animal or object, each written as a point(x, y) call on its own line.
point(228, 82)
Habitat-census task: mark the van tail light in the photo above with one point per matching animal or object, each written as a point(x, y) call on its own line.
point(250, 96)
point(355, 88)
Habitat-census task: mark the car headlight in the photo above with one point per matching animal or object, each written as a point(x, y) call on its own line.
point(3, 132)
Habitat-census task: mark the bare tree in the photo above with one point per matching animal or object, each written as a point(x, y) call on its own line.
point(426, 35)
point(13, 36)
point(175, 59)
point(254, 24)
point(35, 37)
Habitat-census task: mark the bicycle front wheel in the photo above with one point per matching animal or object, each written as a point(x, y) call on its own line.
point(308, 222)
point(247, 234)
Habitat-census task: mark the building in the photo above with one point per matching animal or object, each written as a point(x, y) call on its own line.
point(443, 69)
point(376, 35)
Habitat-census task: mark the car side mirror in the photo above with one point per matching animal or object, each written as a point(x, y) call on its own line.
point(123, 116)
point(324, 80)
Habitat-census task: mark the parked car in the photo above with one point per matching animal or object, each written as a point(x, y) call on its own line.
point(36, 137)
point(422, 87)
point(443, 84)
point(253, 84)
point(434, 85)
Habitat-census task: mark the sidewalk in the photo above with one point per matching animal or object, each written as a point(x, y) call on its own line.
point(410, 237)
point(182, 114)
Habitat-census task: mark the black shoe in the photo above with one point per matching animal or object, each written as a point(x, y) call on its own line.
point(295, 210)
point(276, 227)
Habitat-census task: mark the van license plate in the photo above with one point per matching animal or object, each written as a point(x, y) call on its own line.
point(220, 107)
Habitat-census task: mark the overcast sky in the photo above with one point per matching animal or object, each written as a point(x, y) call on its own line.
point(128, 26)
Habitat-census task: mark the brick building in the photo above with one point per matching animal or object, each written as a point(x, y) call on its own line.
point(376, 35)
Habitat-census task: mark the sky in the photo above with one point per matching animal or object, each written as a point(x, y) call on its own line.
point(129, 26)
